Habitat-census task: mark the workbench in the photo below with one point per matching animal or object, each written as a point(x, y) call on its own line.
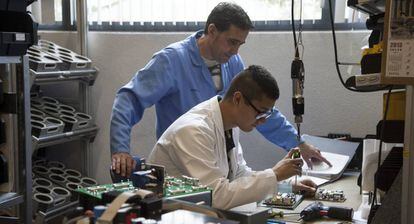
point(347, 183)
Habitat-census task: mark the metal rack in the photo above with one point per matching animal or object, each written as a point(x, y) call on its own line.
point(85, 78)
point(88, 76)
point(44, 217)
point(18, 91)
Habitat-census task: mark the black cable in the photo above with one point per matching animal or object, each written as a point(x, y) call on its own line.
point(384, 119)
point(336, 58)
point(293, 29)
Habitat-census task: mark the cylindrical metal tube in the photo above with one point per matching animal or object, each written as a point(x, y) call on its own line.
point(56, 164)
point(73, 179)
point(40, 170)
point(42, 202)
point(42, 182)
point(72, 188)
point(72, 172)
point(67, 108)
point(57, 171)
point(41, 189)
point(50, 100)
point(58, 179)
point(39, 162)
point(88, 182)
point(59, 193)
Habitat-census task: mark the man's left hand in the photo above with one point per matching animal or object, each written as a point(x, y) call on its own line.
point(307, 187)
point(309, 153)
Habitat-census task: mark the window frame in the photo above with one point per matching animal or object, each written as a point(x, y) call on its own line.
point(271, 25)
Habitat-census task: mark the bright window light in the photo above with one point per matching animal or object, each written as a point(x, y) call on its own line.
point(192, 10)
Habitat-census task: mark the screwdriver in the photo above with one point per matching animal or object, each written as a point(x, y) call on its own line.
point(296, 155)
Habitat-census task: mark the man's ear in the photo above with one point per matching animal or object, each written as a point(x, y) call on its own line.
point(237, 97)
point(212, 29)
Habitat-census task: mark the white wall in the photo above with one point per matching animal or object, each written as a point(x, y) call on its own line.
point(328, 106)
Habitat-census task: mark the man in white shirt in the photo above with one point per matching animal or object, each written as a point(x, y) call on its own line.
point(204, 143)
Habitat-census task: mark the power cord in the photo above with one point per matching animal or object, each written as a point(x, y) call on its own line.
point(297, 41)
point(338, 63)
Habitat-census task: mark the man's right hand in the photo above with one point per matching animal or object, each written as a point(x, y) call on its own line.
point(288, 167)
point(123, 163)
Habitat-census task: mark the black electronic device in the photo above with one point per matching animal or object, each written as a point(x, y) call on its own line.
point(298, 102)
point(149, 207)
point(15, 5)
point(317, 210)
point(393, 133)
point(371, 7)
point(389, 169)
point(18, 31)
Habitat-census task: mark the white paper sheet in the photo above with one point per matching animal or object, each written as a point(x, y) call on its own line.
point(338, 162)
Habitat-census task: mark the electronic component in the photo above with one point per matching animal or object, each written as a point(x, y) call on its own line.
point(187, 185)
point(145, 176)
point(317, 210)
point(187, 189)
point(97, 191)
point(283, 200)
point(330, 195)
point(92, 196)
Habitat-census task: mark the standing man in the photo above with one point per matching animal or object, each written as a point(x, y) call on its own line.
point(204, 143)
point(189, 72)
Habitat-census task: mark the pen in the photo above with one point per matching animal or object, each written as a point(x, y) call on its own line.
point(272, 221)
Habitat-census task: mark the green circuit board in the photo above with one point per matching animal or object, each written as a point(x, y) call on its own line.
point(174, 186)
point(97, 191)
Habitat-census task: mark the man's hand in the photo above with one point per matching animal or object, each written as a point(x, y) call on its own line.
point(306, 187)
point(123, 163)
point(309, 153)
point(288, 167)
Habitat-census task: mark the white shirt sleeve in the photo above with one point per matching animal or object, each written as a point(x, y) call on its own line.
point(200, 156)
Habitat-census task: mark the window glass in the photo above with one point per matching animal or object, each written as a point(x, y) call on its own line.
point(192, 10)
point(185, 15)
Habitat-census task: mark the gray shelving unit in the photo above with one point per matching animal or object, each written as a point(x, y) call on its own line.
point(85, 78)
point(17, 103)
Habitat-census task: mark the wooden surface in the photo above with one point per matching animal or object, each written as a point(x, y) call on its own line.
point(347, 183)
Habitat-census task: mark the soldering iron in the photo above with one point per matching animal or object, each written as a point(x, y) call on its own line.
point(298, 102)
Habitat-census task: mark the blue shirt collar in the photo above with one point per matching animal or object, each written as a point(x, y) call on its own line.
point(194, 50)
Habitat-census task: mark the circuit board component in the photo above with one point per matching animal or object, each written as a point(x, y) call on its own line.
point(174, 186)
point(330, 195)
point(97, 191)
point(283, 200)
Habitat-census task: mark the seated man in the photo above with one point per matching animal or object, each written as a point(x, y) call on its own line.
point(204, 143)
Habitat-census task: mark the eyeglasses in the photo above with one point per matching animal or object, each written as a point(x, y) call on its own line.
point(260, 114)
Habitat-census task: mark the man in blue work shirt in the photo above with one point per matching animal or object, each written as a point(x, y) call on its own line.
point(186, 73)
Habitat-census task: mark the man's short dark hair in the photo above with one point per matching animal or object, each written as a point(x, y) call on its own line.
point(226, 14)
point(254, 82)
